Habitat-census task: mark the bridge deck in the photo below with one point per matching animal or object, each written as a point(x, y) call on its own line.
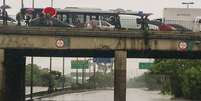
point(61, 31)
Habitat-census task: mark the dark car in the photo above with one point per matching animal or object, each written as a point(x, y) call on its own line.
point(53, 22)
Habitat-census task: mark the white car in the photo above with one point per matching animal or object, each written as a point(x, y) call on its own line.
point(153, 27)
point(99, 24)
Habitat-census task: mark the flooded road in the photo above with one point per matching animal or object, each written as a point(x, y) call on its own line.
point(35, 89)
point(107, 95)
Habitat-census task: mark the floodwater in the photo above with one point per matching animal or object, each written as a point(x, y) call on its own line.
point(107, 95)
point(35, 89)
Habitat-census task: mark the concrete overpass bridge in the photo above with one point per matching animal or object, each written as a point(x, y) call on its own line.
point(18, 42)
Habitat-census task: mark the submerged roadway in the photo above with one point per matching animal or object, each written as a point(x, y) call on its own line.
point(133, 94)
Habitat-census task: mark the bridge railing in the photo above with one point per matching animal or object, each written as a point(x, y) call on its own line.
point(124, 23)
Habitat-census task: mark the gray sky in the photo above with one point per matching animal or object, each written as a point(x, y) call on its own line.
point(149, 6)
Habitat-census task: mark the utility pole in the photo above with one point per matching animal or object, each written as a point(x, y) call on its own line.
point(94, 75)
point(31, 84)
point(187, 3)
point(4, 11)
point(77, 74)
point(32, 3)
point(52, 3)
point(50, 78)
point(63, 73)
point(22, 3)
point(83, 74)
point(89, 73)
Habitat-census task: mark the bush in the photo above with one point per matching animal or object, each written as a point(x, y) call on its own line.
point(185, 77)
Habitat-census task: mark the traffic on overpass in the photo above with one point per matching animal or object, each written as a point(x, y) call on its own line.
point(72, 51)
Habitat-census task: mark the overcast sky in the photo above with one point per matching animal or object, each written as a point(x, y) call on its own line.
point(149, 6)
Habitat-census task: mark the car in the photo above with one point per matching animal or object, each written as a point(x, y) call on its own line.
point(153, 27)
point(99, 24)
point(53, 22)
point(167, 27)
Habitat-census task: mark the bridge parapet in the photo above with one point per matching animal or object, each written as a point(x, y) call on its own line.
point(65, 38)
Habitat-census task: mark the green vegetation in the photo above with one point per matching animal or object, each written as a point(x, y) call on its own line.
point(104, 79)
point(184, 77)
point(42, 77)
point(137, 82)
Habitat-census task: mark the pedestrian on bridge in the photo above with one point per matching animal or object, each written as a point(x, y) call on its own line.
point(5, 17)
point(0, 12)
point(19, 18)
point(27, 20)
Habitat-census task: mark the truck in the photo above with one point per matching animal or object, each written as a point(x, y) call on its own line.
point(189, 18)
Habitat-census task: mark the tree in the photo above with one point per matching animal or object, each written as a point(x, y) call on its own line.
point(185, 76)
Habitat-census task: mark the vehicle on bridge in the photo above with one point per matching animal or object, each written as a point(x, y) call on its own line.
point(98, 24)
point(189, 18)
point(79, 17)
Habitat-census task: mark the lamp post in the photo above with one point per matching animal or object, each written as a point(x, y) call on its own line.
point(51, 3)
point(22, 3)
point(4, 11)
point(32, 3)
point(63, 74)
point(187, 3)
point(31, 84)
point(4, 4)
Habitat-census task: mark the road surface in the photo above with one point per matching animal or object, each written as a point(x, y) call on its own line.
point(107, 95)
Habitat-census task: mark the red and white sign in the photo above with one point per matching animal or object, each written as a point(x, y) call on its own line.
point(60, 43)
point(182, 45)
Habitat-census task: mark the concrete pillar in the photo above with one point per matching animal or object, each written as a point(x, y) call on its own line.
point(15, 76)
point(120, 75)
point(2, 76)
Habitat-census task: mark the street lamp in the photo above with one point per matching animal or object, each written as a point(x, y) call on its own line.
point(187, 3)
point(32, 3)
point(22, 3)
point(4, 11)
point(51, 3)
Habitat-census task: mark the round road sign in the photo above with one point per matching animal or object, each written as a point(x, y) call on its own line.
point(183, 45)
point(60, 43)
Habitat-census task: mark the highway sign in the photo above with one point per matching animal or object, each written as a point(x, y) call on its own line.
point(182, 45)
point(60, 43)
point(79, 64)
point(145, 65)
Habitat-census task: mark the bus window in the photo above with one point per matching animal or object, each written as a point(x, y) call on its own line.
point(65, 18)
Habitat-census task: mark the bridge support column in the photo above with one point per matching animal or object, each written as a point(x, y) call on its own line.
point(15, 76)
point(2, 76)
point(120, 76)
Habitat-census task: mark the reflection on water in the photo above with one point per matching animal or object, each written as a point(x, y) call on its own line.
point(107, 95)
point(35, 89)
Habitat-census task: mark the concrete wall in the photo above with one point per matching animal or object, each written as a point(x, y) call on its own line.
point(49, 42)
